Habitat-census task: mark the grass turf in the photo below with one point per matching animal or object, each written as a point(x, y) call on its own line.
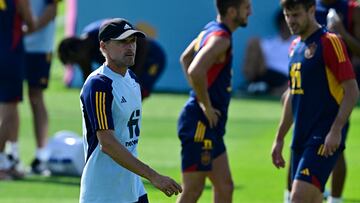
point(250, 130)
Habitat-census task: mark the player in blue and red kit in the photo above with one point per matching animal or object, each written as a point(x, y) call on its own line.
point(149, 62)
point(201, 126)
point(322, 94)
point(348, 27)
point(13, 14)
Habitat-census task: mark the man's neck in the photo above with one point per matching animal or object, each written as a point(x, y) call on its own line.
point(117, 69)
point(227, 22)
point(312, 28)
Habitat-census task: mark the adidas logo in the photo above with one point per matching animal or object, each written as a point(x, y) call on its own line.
point(123, 100)
point(305, 172)
point(127, 27)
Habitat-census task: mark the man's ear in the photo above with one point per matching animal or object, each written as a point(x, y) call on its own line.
point(312, 10)
point(102, 46)
point(231, 12)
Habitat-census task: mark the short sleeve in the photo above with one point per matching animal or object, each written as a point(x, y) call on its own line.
point(97, 99)
point(336, 57)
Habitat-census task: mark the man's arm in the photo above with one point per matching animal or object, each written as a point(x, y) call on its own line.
point(197, 73)
point(186, 58)
point(25, 12)
point(110, 146)
point(352, 40)
point(284, 126)
point(48, 15)
point(351, 95)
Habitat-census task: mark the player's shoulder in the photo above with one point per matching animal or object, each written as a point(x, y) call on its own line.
point(98, 81)
point(133, 76)
point(329, 38)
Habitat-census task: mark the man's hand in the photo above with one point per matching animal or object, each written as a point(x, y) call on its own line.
point(211, 114)
point(167, 185)
point(332, 142)
point(276, 153)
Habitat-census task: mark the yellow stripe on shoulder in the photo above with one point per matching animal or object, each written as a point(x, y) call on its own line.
point(335, 41)
point(198, 41)
point(336, 90)
point(3, 5)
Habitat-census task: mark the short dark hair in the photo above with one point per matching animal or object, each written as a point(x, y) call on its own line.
point(67, 48)
point(223, 5)
point(291, 4)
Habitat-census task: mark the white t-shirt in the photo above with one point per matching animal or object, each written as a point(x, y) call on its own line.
point(276, 53)
point(110, 101)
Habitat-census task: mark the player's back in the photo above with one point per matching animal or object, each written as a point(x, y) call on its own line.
point(91, 33)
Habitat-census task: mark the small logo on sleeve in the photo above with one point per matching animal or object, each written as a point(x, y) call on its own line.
point(305, 172)
point(123, 100)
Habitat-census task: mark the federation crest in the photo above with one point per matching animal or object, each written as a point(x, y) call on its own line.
point(205, 157)
point(310, 50)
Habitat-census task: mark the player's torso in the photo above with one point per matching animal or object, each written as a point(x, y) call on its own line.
point(313, 106)
point(10, 27)
point(220, 74)
point(100, 172)
point(126, 110)
point(41, 41)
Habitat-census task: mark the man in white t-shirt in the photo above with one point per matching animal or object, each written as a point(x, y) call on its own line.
point(111, 107)
point(266, 60)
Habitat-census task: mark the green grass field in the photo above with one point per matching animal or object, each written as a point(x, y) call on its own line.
point(251, 126)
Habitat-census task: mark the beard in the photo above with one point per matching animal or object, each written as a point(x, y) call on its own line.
point(238, 20)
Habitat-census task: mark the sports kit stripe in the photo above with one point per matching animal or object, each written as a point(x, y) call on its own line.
point(338, 48)
point(200, 132)
point(101, 110)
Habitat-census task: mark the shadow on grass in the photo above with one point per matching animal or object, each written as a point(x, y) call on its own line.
point(60, 180)
point(207, 186)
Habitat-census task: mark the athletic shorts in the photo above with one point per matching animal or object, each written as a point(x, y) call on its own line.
point(143, 199)
point(311, 166)
point(38, 69)
point(11, 77)
point(200, 143)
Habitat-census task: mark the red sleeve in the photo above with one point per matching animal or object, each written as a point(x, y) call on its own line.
point(220, 33)
point(336, 57)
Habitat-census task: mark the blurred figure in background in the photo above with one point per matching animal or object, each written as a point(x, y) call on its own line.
point(84, 50)
point(206, 63)
point(345, 23)
point(39, 47)
point(266, 60)
point(13, 14)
